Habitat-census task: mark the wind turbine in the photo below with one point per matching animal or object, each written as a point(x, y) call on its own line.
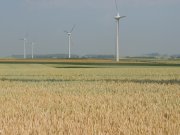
point(25, 40)
point(69, 37)
point(117, 18)
point(32, 49)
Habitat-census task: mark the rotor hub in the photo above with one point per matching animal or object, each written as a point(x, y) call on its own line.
point(117, 17)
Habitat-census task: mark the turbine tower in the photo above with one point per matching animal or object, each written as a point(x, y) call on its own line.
point(32, 49)
point(25, 40)
point(69, 38)
point(117, 18)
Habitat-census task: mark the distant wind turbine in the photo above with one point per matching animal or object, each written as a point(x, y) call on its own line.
point(69, 37)
point(32, 49)
point(25, 41)
point(117, 17)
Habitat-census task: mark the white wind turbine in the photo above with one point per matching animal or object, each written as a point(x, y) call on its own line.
point(32, 49)
point(69, 37)
point(117, 17)
point(25, 41)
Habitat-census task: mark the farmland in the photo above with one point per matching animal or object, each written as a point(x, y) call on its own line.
point(89, 97)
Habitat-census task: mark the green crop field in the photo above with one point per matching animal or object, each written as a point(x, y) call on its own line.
point(89, 97)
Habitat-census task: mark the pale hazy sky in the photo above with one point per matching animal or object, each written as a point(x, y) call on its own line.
point(150, 26)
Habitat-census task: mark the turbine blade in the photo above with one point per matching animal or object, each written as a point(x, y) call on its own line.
point(73, 28)
point(116, 6)
point(65, 31)
point(122, 17)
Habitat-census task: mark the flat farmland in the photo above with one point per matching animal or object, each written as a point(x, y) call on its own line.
point(89, 97)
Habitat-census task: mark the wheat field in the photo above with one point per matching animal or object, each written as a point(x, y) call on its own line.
point(41, 99)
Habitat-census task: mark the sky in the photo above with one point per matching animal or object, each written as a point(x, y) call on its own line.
point(150, 26)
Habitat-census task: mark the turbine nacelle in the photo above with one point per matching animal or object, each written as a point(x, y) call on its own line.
point(68, 33)
point(117, 17)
